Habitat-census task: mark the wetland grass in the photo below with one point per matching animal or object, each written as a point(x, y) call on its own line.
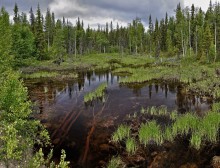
point(196, 140)
point(150, 132)
point(124, 70)
point(46, 74)
point(160, 111)
point(97, 93)
point(140, 61)
point(140, 75)
point(173, 115)
point(131, 146)
point(210, 125)
point(121, 133)
point(168, 134)
point(186, 123)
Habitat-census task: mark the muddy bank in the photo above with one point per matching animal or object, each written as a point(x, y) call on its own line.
point(174, 154)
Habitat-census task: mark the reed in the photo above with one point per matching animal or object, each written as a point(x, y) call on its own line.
point(121, 133)
point(131, 146)
point(150, 132)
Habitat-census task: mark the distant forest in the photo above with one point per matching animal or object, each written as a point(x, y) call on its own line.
point(191, 31)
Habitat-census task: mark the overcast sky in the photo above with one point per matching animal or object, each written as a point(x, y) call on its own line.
point(199, 3)
point(102, 11)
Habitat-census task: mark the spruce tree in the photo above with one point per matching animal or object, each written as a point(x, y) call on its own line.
point(16, 15)
point(48, 29)
point(39, 36)
point(32, 20)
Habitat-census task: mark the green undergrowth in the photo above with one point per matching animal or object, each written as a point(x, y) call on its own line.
point(99, 92)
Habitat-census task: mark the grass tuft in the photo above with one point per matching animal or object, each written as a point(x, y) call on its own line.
point(121, 133)
point(131, 146)
point(150, 132)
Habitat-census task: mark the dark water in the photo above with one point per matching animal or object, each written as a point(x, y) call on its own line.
point(84, 130)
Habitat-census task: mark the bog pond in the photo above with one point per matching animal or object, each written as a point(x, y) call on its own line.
point(84, 130)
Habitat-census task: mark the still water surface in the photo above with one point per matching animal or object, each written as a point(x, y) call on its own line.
point(84, 130)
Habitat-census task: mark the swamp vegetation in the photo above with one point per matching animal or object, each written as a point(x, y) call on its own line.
point(154, 126)
point(122, 97)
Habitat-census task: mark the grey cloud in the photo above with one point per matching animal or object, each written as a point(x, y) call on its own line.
point(120, 10)
point(124, 10)
point(25, 5)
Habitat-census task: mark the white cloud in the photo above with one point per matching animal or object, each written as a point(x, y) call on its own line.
point(66, 6)
point(204, 4)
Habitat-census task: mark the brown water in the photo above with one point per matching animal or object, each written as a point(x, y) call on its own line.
point(83, 131)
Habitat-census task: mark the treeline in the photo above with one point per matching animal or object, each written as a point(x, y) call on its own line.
point(190, 32)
